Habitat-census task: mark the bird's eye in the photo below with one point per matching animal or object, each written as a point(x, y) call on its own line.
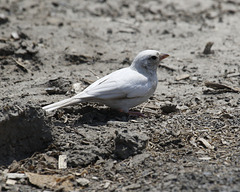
point(153, 57)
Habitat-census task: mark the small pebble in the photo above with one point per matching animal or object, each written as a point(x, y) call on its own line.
point(15, 35)
point(16, 175)
point(106, 185)
point(95, 178)
point(194, 78)
point(11, 182)
point(83, 181)
point(3, 19)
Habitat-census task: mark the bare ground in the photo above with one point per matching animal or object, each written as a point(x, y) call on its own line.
point(189, 139)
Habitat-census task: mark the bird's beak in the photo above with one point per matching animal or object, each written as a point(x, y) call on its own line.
point(163, 56)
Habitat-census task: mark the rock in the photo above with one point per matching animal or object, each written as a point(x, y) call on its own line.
point(107, 184)
point(53, 181)
point(14, 167)
point(15, 35)
point(182, 77)
point(77, 88)
point(6, 49)
point(95, 178)
point(82, 157)
point(83, 181)
point(131, 187)
point(194, 78)
point(129, 143)
point(16, 176)
point(11, 182)
point(3, 19)
point(58, 85)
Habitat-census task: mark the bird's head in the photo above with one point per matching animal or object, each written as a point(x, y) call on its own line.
point(148, 61)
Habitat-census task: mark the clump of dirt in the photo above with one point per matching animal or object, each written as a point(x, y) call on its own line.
point(129, 144)
point(23, 131)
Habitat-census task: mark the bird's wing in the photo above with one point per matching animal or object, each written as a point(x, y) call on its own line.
point(124, 83)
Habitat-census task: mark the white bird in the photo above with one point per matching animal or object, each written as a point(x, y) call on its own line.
point(124, 88)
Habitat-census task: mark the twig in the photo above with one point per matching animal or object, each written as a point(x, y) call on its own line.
point(205, 143)
point(143, 107)
point(87, 81)
point(21, 66)
point(233, 75)
point(217, 86)
point(167, 67)
point(19, 108)
point(94, 73)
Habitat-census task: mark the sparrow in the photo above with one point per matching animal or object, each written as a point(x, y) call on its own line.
point(121, 89)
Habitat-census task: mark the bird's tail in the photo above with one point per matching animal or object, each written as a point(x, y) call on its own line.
point(61, 104)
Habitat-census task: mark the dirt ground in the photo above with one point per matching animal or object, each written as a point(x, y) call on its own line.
point(187, 141)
